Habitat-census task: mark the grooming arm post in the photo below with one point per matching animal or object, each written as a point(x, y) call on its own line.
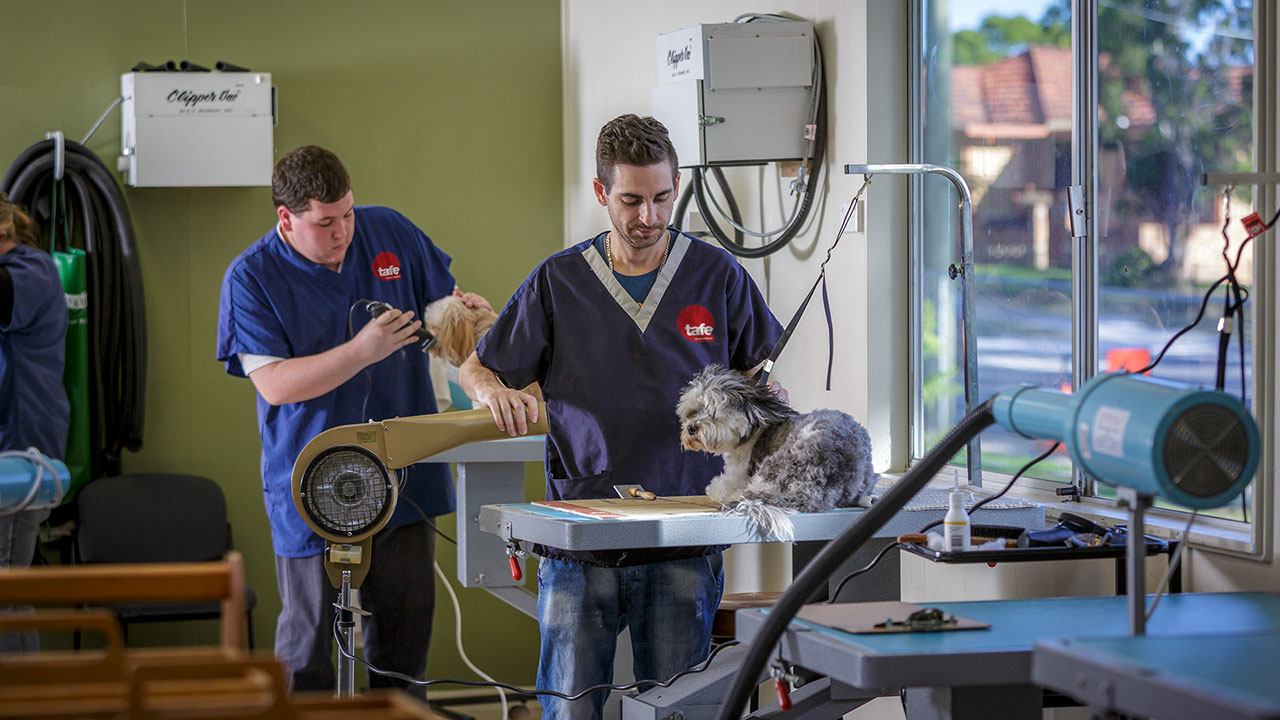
point(968, 342)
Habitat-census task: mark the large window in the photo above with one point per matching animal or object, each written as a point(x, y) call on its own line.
point(1174, 85)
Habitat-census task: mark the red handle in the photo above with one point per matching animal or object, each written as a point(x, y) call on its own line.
point(784, 697)
point(516, 573)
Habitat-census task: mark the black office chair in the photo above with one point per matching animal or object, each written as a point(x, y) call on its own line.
point(155, 517)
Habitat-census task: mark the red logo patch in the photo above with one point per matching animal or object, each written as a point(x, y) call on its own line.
point(386, 266)
point(696, 324)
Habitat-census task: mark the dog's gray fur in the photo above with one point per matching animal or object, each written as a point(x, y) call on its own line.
point(776, 461)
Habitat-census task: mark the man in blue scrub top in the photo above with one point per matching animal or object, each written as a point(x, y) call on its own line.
point(34, 412)
point(283, 323)
point(612, 328)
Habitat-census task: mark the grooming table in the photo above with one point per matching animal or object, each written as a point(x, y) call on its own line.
point(491, 472)
point(573, 531)
point(1224, 677)
point(973, 674)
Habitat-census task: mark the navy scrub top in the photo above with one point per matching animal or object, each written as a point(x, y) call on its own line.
point(276, 302)
point(611, 369)
point(34, 411)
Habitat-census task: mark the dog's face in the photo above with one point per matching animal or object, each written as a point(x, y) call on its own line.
point(457, 328)
point(720, 409)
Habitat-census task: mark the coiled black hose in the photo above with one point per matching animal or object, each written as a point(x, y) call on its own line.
point(117, 315)
point(839, 549)
point(682, 205)
point(698, 184)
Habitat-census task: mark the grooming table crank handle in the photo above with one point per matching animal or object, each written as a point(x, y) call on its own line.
point(514, 553)
point(780, 677)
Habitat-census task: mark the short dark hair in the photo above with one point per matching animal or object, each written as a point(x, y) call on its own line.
point(632, 140)
point(308, 173)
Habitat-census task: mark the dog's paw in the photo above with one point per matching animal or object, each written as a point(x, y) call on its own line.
point(724, 489)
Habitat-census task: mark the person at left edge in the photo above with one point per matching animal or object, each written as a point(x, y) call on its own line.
point(282, 322)
point(34, 412)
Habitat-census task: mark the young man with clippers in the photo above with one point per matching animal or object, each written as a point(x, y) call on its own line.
point(294, 319)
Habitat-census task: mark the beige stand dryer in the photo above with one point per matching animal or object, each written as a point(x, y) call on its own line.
point(344, 490)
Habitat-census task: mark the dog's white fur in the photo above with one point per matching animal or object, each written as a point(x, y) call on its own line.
point(776, 461)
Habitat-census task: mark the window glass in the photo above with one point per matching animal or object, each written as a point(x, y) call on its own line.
point(1175, 85)
point(1175, 88)
point(997, 108)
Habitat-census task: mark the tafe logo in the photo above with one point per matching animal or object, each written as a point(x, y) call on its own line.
point(696, 324)
point(386, 266)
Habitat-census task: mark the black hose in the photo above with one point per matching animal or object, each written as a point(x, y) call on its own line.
point(841, 548)
point(682, 205)
point(806, 201)
point(117, 314)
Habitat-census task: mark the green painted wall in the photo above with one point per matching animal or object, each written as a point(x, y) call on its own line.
point(447, 111)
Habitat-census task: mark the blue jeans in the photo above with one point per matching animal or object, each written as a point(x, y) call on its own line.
point(18, 534)
point(583, 609)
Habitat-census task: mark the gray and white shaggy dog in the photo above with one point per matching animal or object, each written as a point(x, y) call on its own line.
point(776, 461)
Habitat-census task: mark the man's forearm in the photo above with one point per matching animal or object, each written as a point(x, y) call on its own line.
point(304, 378)
point(476, 380)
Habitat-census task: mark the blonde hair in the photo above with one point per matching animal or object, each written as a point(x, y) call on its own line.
point(457, 328)
point(16, 223)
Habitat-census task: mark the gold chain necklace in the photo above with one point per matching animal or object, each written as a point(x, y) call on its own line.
point(608, 255)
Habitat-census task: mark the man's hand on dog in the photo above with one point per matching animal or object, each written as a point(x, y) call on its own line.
point(473, 300)
point(776, 388)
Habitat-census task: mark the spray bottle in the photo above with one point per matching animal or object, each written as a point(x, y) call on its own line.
point(956, 524)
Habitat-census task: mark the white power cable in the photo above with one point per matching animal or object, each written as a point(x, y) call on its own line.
point(457, 629)
point(1173, 564)
point(102, 117)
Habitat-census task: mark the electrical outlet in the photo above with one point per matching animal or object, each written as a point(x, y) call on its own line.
point(857, 223)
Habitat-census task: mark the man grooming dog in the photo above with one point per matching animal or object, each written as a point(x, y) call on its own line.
point(612, 328)
point(776, 460)
point(283, 321)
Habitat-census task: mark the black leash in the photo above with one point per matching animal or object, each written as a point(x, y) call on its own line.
point(826, 302)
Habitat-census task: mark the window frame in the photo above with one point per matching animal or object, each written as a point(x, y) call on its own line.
point(1220, 535)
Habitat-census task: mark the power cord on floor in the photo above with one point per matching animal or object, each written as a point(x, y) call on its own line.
point(701, 667)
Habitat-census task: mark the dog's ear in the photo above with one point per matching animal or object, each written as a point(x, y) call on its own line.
point(459, 341)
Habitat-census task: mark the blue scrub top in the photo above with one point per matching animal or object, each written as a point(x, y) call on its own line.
point(276, 302)
point(611, 369)
point(34, 411)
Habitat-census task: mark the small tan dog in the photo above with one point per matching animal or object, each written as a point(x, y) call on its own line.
point(457, 328)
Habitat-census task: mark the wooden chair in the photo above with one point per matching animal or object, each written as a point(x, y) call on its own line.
point(155, 683)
